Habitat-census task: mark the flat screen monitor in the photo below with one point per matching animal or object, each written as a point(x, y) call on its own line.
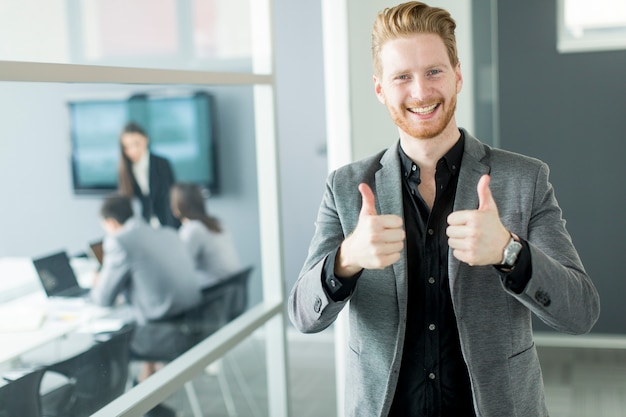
point(180, 127)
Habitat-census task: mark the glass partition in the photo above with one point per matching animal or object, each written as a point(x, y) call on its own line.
point(234, 385)
point(57, 54)
point(38, 155)
point(206, 35)
point(37, 169)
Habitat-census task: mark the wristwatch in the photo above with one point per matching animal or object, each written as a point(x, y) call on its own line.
point(511, 252)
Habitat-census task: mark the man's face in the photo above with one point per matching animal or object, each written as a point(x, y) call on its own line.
point(418, 85)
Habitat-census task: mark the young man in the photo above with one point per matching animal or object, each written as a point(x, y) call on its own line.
point(150, 267)
point(443, 248)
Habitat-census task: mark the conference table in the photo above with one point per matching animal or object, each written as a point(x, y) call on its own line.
point(30, 319)
point(40, 333)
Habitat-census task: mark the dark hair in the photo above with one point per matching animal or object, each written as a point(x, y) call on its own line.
point(188, 202)
point(124, 170)
point(408, 19)
point(117, 207)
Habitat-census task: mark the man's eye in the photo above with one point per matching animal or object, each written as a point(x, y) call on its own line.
point(403, 77)
point(433, 72)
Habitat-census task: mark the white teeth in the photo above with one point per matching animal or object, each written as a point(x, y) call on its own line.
point(423, 110)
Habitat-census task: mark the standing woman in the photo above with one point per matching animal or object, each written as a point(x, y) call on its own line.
point(211, 247)
point(146, 176)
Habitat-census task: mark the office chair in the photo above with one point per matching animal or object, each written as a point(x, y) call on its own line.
point(90, 379)
point(235, 305)
point(239, 295)
point(20, 396)
point(220, 303)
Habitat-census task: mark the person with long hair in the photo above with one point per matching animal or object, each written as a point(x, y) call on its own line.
point(211, 246)
point(146, 176)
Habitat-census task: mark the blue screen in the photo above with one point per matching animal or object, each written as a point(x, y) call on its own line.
point(180, 129)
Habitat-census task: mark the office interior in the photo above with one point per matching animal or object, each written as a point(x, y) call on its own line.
point(520, 93)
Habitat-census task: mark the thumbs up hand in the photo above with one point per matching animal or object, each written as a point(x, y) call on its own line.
point(478, 237)
point(376, 242)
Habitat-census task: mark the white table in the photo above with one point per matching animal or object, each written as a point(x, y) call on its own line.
point(30, 320)
point(55, 319)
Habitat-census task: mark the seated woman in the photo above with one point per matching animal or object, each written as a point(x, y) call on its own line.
point(211, 247)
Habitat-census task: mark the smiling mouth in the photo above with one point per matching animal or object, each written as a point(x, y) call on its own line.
point(424, 110)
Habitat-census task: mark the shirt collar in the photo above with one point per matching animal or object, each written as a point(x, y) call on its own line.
point(452, 159)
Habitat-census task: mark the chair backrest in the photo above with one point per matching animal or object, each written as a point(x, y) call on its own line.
point(20, 396)
point(99, 374)
point(164, 340)
point(222, 302)
point(239, 295)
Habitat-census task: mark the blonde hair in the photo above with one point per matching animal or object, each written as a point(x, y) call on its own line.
point(408, 19)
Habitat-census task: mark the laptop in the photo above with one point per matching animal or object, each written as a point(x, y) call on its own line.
point(57, 276)
point(96, 250)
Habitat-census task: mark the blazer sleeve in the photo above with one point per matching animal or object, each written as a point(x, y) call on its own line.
point(114, 275)
point(310, 307)
point(559, 292)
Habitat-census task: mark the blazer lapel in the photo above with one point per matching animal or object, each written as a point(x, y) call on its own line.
point(474, 165)
point(389, 201)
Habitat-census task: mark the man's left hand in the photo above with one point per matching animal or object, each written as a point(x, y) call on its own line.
point(478, 237)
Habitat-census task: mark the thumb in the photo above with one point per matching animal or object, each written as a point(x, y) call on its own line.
point(485, 198)
point(369, 201)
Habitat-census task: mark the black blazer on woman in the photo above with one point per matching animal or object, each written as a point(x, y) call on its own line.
point(157, 203)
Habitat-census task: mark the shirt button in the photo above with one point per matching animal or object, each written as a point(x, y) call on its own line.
point(414, 167)
point(431, 232)
point(431, 327)
point(431, 280)
point(333, 283)
point(431, 375)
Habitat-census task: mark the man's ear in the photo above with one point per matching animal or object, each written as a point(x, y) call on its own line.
point(110, 225)
point(378, 89)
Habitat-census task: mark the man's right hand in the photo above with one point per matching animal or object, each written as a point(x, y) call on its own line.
point(376, 243)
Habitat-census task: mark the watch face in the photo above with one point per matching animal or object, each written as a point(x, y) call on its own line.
point(511, 252)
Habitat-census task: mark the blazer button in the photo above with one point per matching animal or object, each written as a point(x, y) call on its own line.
point(543, 298)
point(318, 305)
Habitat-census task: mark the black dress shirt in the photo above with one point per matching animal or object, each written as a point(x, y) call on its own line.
point(433, 378)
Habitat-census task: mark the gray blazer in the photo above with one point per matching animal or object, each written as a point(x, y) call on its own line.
point(494, 324)
point(151, 267)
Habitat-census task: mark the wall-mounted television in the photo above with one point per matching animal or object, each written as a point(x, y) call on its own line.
point(181, 128)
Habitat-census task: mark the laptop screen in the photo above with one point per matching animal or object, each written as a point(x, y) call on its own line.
point(56, 274)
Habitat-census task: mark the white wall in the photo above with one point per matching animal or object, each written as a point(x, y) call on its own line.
point(301, 125)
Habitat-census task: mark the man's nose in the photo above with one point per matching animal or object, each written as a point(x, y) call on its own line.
point(420, 88)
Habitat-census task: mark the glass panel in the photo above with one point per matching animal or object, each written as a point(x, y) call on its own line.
point(36, 163)
point(48, 214)
point(206, 35)
point(585, 27)
point(235, 385)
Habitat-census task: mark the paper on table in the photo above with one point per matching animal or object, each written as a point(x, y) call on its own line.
point(24, 320)
point(103, 325)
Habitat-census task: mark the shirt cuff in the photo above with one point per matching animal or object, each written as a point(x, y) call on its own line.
point(337, 288)
point(517, 278)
